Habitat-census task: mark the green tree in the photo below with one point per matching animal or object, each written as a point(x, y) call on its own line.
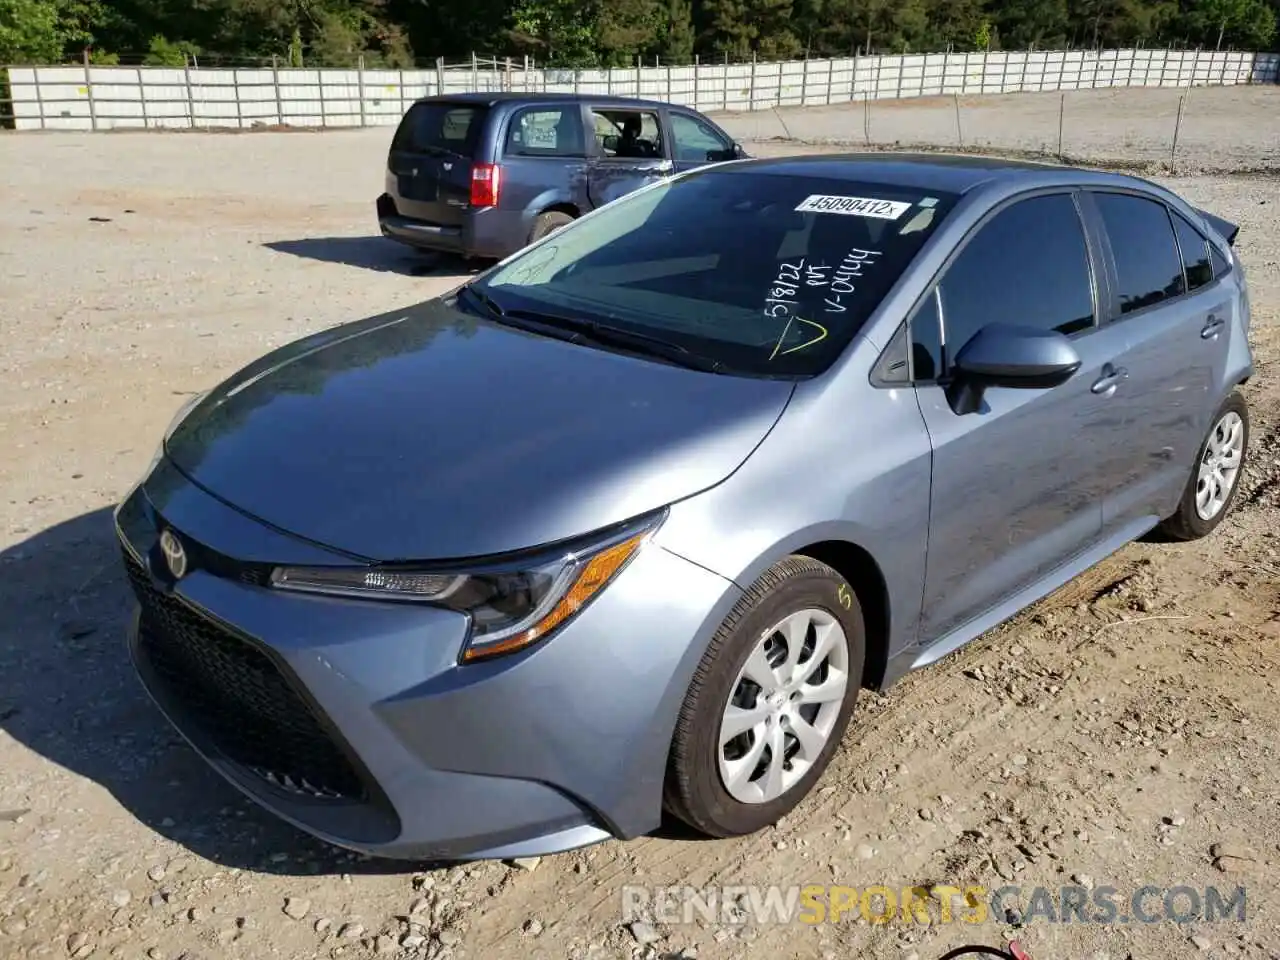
point(29, 32)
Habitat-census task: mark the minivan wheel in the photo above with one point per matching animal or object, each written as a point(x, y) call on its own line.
point(1213, 483)
point(769, 701)
point(548, 222)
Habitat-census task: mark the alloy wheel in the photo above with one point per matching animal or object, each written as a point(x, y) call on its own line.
point(783, 706)
point(1220, 465)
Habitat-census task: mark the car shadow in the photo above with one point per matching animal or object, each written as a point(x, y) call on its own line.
point(376, 253)
point(68, 693)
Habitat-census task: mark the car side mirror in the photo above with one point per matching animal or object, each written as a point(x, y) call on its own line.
point(610, 143)
point(1004, 355)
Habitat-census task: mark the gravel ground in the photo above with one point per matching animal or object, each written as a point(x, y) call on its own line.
point(1114, 735)
point(1223, 129)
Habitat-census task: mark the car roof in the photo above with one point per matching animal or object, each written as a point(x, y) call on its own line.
point(493, 99)
point(954, 173)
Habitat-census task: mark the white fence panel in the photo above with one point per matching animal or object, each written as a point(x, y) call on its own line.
point(105, 98)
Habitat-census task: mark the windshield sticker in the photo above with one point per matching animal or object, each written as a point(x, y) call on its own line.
point(854, 206)
point(928, 202)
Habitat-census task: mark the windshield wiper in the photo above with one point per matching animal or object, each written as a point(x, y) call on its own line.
point(579, 329)
point(605, 335)
point(487, 303)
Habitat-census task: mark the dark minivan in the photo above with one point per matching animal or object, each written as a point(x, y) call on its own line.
point(484, 174)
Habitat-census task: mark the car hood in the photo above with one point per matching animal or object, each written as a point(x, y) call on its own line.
point(432, 434)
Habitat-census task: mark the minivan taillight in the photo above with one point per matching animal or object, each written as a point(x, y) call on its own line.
point(486, 184)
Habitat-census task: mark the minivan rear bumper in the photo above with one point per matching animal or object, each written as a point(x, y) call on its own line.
point(488, 233)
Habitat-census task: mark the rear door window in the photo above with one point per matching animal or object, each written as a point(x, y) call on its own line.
point(627, 134)
point(1195, 253)
point(546, 132)
point(440, 128)
point(1148, 268)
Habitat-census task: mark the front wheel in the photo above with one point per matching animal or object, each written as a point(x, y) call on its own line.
point(1213, 483)
point(769, 702)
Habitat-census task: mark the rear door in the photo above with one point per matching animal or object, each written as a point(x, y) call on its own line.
point(544, 158)
point(622, 163)
point(696, 141)
point(1173, 315)
point(429, 168)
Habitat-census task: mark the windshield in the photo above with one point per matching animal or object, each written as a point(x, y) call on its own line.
point(433, 128)
point(767, 273)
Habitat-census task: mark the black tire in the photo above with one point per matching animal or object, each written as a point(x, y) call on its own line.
point(1186, 523)
point(548, 222)
point(694, 791)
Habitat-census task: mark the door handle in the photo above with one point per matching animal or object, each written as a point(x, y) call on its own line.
point(1111, 377)
point(1213, 326)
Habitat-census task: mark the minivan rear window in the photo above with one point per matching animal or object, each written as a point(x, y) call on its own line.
point(452, 128)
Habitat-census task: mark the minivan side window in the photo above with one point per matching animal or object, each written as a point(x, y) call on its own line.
point(1148, 268)
point(1195, 253)
point(693, 140)
point(627, 134)
point(546, 132)
point(1027, 266)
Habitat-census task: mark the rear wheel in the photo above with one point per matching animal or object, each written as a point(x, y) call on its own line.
point(769, 701)
point(548, 223)
point(1213, 483)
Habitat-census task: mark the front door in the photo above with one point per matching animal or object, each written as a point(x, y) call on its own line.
point(1017, 485)
point(629, 152)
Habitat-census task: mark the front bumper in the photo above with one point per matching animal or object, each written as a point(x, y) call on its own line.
point(354, 721)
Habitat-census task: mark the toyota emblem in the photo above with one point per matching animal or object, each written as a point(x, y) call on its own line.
point(175, 557)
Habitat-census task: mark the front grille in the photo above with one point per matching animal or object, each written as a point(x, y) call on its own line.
point(237, 699)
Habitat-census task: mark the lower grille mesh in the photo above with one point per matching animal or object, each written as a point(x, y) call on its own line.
point(236, 697)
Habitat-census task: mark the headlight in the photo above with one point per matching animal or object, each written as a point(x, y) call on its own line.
point(511, 605)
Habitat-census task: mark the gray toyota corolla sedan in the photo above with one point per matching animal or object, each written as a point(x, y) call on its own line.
point(624, 524)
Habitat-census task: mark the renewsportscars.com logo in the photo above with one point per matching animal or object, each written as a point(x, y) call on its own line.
point(970, 904)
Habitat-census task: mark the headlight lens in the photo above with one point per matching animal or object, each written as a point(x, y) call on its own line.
point(511, 606)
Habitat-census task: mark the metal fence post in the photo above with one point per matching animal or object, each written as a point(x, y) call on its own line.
point(959, 131)
point(88, 89)
point(696, 70)
point(439, 75)
point(1177, 127)
point(191, 99)
point(639, 68)
point(275, 82)
point(142, 99)
point(235, 83)
point(1062, 109)
point(751, 95)
point(324, 112)
point(360, 86)
point(475, 73)
point(35, 81)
